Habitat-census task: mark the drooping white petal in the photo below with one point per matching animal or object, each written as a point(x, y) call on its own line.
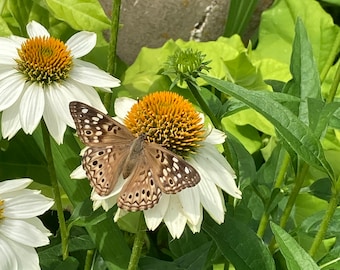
point(27, 206)
point(154, 216)
point(10, 90)
point(26, 257)
point(93, 77)
point(81, 43)
point(10, 122)
point(8, 258)
point(31, 107)
point(218, 169)
point(56, 127)
point(211, 200)
point(13, 185)
point(35, 29)
point(196, 227)
point(14, 228)
point(174, 218)
point(60, 96)
point(88, 95)
point(123, 105)
point(190, 201)
point(36, 222)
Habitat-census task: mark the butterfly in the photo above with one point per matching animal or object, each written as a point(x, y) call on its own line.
point(147, 168)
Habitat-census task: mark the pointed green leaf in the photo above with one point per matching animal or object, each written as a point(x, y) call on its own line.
point(297, 135)
point(234, 240)
point(296, 257)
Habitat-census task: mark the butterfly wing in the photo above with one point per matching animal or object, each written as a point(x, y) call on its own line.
point(109, 143)
point(171, 172)
point(103, 166)
point(97, 129)
point(157, 170)
point(141, 191)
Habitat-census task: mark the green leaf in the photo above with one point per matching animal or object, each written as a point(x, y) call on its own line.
point(296, 257)
point(242, 72)
point(311, 225)
point(234, 240)
point(20, 10)
point(297, 135)
point(192, 260)
point(276, 35)
point(80, 14)
point(305, 83)
point(239, 15)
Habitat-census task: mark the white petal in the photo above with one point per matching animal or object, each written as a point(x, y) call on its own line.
point(27, 206)
point(154, 216)
point(93, 77)
point(174, 219)
point(190, 200)
point(35, 29)
point(211, 200)
point(81, 43)
point(217, 169)
point(26, 257)
point(55, 126)
point(215, 136)
point(13, 185)
point(8, 258)
point(10, 90)
point(10, 124)
point(32, 107)
point(60, 96)
point(36, 222)
point(123, 105)
point(78, 173)
point(197, 226)
point(6, 71)
point(8, 51)
point(23, 232)
point(88, 95)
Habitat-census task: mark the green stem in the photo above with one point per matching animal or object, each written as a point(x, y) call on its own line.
point(278, 183)
point(195, 90)
point(112, 53)
point(334, 86)
point(137, 244)
point(293, 195)
point(56, 191)
point(291, 200)
point(333, 203)
point(88, 259)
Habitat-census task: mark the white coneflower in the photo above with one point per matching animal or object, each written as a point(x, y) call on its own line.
point(168, 119)
point(39, 76)
point(20, 229)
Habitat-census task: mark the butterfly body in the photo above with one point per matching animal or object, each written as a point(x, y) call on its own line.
point(113, 151)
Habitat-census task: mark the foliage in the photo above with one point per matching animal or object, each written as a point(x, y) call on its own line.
point(279, 105)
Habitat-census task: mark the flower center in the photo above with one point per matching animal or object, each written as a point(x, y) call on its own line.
point(44, 60)
point(1, 209)
point(167, 119)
